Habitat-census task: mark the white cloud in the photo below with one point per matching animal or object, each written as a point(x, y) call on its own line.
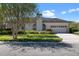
point(49, 14)
point(70, 11)
point(77, 9)
point(63, 12)
point(53, 10)
point(73, 10)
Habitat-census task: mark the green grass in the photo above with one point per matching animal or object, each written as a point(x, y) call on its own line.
point(40, 35)
point(32, 37)
point(40, 39)
point(5, 37)
point(38, 32)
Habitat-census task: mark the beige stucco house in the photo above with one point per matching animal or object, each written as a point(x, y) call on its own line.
point(40, 24)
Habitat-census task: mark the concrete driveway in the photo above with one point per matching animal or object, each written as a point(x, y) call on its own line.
point(69, 38)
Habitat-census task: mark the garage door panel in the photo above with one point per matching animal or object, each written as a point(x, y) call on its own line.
point(59, 30)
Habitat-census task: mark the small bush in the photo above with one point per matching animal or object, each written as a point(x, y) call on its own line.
point(5, 31)
point(21, 32)
point(72, 30)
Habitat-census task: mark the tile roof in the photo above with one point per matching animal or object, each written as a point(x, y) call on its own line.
point(44, 20)
point(51, 19)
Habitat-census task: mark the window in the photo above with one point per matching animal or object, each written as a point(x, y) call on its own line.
point(44, 27)
point(58, 26)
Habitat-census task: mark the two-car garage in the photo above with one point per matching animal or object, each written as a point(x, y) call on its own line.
point(59, 29)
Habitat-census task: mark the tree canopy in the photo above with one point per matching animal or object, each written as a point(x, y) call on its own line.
point(16, 11)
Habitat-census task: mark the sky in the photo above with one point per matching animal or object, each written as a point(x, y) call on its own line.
point(66, 11)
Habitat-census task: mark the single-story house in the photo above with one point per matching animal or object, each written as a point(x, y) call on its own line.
point(55, 24)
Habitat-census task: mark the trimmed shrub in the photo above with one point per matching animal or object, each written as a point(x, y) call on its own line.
point(21, 32)
point(32, 32)
point(72, 30)
point(45, 32)
point(40, 39)
point(38, 32)
point(5, 31)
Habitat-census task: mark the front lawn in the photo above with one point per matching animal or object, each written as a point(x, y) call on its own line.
point(39, 37)
point(5, 37)
point(31, 37)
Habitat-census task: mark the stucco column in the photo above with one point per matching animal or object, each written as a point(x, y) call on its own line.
point(39, 24)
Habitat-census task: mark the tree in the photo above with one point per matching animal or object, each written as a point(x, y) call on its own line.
point(73, 27)
point(14, 12)
point(1, 19)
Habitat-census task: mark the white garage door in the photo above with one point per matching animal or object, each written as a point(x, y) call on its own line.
point(59, 30)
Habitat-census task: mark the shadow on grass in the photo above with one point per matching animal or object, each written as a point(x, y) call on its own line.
point(55, 45)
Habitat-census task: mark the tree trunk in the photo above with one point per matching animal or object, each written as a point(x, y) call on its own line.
point(14, 31)
point(24, 29)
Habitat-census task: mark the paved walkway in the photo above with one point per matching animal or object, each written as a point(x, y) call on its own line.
point(69, 38)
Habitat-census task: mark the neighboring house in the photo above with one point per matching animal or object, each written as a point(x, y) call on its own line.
point(40, 24)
